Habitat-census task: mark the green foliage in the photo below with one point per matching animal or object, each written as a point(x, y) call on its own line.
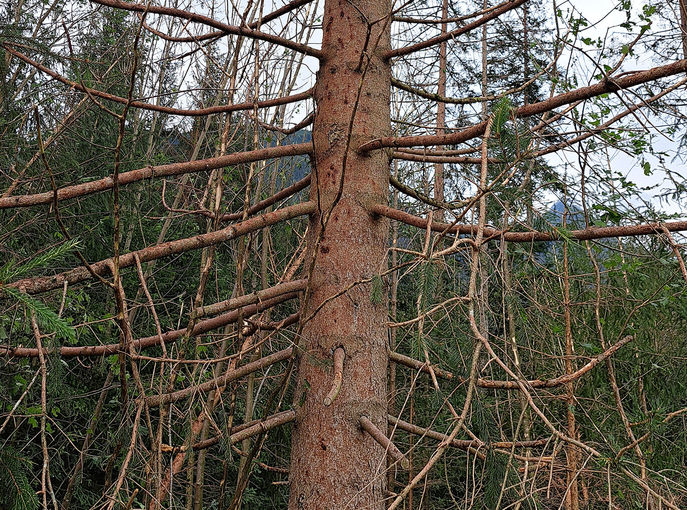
point(11, 270)
point(16, 492)
point(48, 320)
point(501, 114)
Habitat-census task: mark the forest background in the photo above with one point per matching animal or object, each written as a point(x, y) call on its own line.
point(160, 288)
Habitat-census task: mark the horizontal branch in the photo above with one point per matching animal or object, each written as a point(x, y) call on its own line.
point(437, 97)
point(205, 20)
point(607, 85)
point(558, 381)
point(264, 204)
point(250, 429)
point(219, 33)
point(418, 365)
point(82, 273)
point(289, 131)
point(454, 33)
point(514, 385)
point(254, 325)
point(407, 19)
point(185, 39)
point(462, 443)
point(384, 442)
point(232, 375)
point(201, 165)
point(533, 235)
point(150, 341)
point(199, 112)
point(412, 192)
point(291, 6)
point(249, 299)
point(429, 158)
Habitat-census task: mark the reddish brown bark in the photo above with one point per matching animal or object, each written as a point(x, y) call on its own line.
point(334, 464)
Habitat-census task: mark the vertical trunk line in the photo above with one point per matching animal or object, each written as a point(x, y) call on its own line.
point(334, 464)
point(572, 453)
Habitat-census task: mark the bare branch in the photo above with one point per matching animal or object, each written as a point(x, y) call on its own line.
point(205, 20)
point(199, 112)
point(532, 235)
point(149, 172)
point(151, 341)
point(81, 273)
point(213, 384)
point(454, 33)
point(605, 86)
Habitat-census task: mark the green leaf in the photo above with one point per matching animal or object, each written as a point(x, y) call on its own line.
point(11, 271)
point(376, 294)
point(501, 113)
point(48, 320)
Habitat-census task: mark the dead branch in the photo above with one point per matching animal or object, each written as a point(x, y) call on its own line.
point(199, 112)
point(463, 444)
point(605, 86)
point(231, 375)
point(384, 442)
point(150, 171)
point(213, 23)
point(532, 235)
point(150, 341)
point(454, 33)
point(248, 299)
point(81, 273)
point(250, 429)
point(418, 365)
point(339, 355)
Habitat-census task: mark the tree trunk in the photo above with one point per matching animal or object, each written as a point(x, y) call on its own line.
point(334, 464)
